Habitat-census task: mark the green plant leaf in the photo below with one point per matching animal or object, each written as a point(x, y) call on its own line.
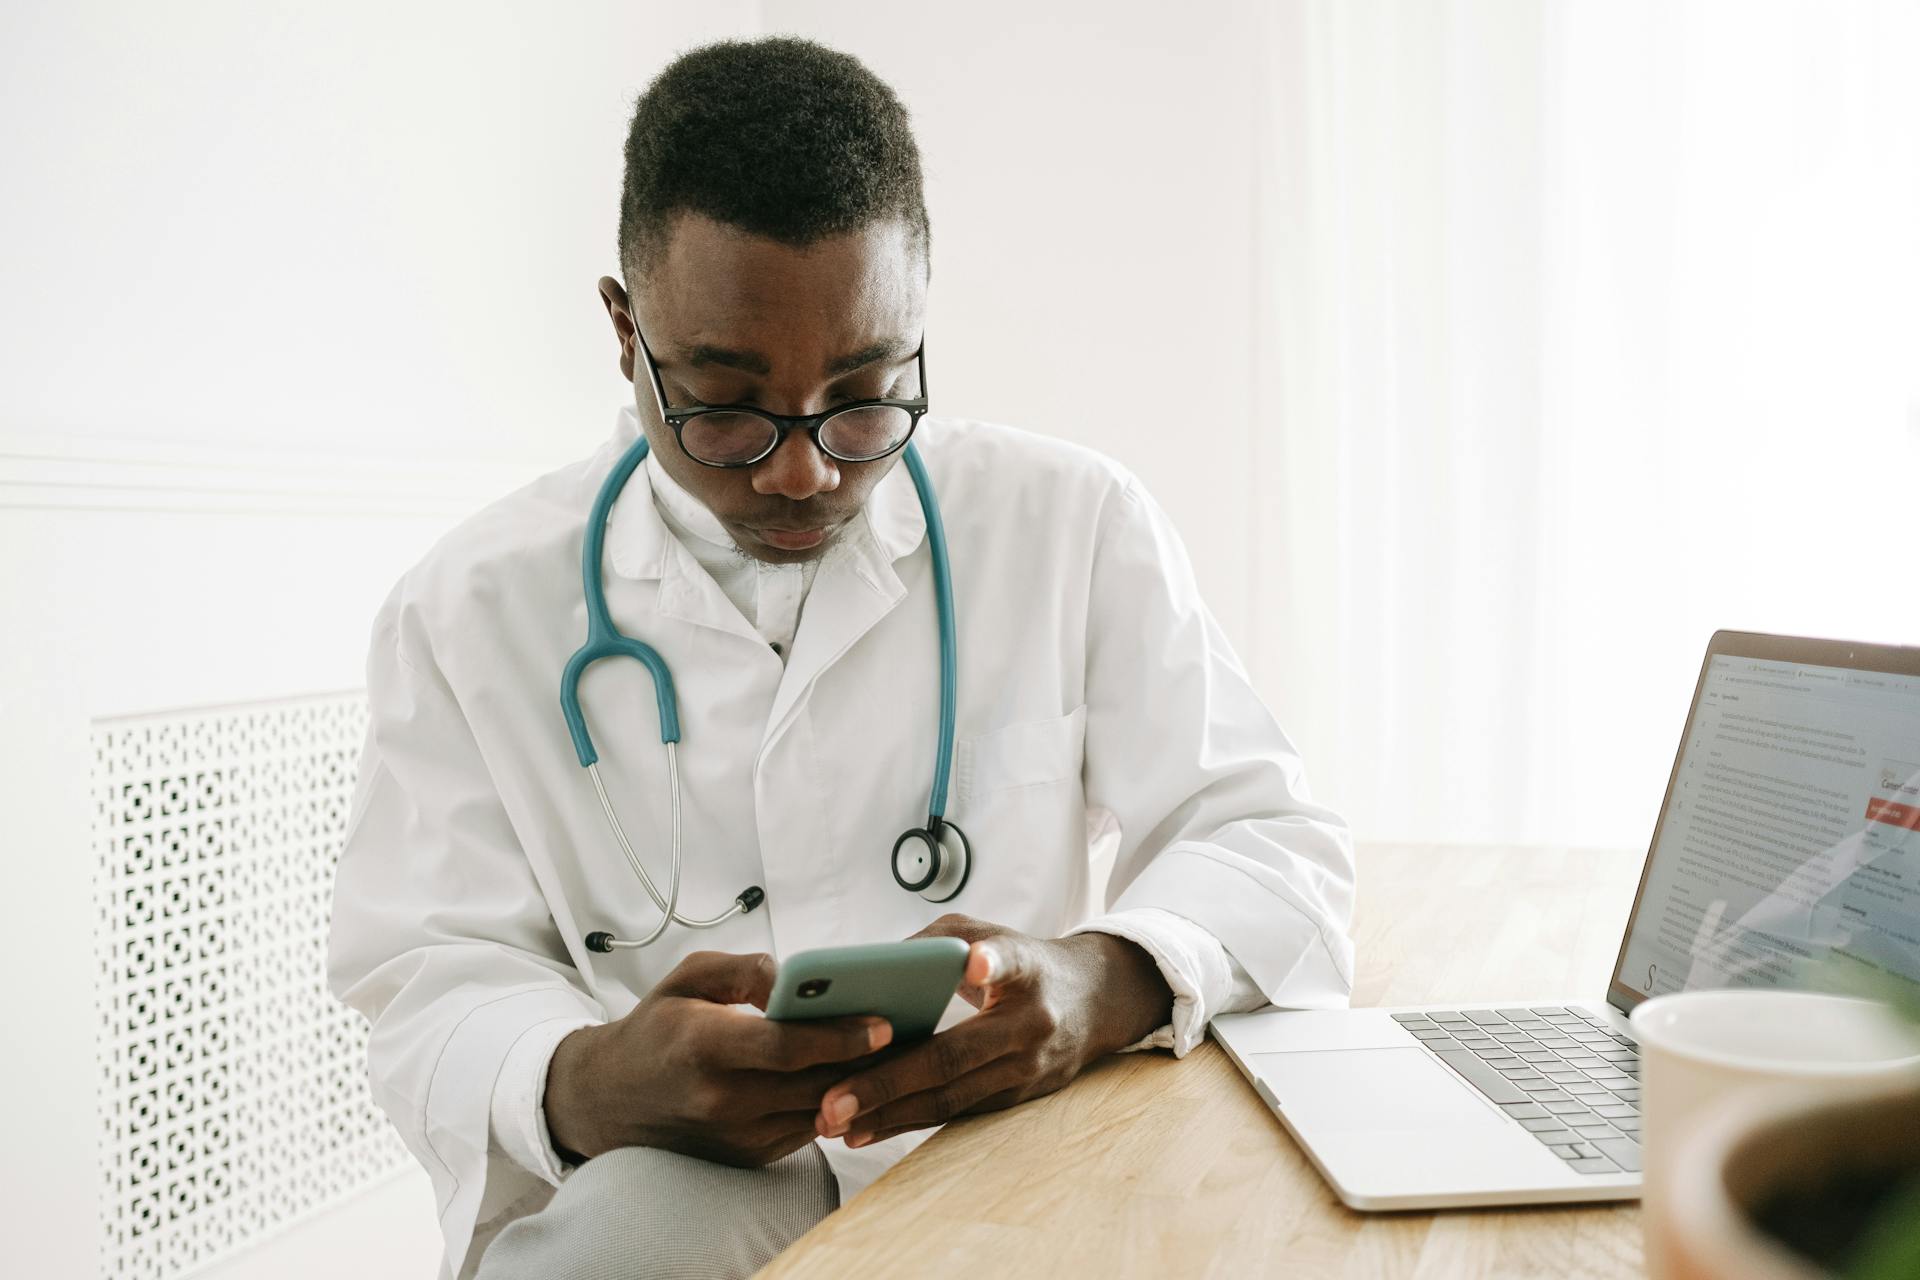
point(1890, 1249)
point(1841, 974)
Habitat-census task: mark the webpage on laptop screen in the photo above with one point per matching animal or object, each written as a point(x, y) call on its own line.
point(1791, 843)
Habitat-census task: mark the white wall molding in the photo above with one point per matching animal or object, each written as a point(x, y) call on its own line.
point(39, 472)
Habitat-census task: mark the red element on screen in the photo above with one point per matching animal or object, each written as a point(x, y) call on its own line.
point(1894, 815)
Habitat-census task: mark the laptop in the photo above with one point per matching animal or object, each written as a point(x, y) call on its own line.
point(1787, 853)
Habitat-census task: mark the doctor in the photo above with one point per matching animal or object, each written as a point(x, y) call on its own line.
point(598, 1112)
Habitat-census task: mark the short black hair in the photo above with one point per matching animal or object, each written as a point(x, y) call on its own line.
point(780, 136)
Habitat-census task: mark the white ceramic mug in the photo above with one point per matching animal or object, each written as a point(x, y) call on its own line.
point(1699, 1049)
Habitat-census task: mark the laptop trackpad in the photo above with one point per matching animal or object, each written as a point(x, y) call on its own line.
point(1346, 1089)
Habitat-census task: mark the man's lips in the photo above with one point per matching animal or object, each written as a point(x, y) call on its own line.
point(792, 537)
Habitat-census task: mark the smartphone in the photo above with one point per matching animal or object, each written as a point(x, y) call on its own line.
point(908, 983)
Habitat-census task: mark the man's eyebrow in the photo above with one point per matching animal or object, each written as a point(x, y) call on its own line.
point(874, 353)
point(703, 354)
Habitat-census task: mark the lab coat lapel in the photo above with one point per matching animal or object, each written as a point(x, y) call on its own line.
point(857, 585)
point(640, 546)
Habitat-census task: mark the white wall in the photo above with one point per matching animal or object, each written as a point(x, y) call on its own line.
point(1593, 328)
point(1089, 173)
point(351, 226)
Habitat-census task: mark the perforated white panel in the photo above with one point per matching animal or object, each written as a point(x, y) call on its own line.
point(233, 1098)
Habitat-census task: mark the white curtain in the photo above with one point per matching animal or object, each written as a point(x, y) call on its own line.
point(1588, 328)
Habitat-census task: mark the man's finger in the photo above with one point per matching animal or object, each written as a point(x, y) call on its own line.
point(721, 977)
point(996, 955)
point(862, 1139)
point(992, 1102)
point(777, 1092)
point(958, 925)
point(992, 1086)
point(931, 1064)
point(761, 1044)
point(993, 962)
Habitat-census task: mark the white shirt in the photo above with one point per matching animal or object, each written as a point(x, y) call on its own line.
point(1096, 693)
point(768, 596)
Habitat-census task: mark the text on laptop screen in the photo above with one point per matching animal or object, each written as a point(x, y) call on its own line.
point(1789, 852)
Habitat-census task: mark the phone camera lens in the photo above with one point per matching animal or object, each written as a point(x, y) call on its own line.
point(814, 987)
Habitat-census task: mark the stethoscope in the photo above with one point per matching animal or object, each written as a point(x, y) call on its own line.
point(933, 861)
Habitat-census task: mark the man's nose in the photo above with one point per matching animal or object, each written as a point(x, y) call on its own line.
point(796, 469)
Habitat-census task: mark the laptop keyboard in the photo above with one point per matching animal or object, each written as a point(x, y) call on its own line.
point(1568, 1079)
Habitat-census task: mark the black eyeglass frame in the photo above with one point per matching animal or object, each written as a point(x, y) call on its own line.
point(677, 419)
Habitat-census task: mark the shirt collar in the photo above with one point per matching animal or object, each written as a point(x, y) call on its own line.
point(686, 515)
point(637, 536)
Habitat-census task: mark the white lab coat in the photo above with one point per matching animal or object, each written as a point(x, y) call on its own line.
point(1094, 690)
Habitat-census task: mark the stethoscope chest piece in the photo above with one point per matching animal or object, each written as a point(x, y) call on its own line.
point(934, 866)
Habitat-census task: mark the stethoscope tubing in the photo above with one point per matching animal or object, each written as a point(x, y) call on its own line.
point(669, 906)
point(604, 640)
point(949, 640)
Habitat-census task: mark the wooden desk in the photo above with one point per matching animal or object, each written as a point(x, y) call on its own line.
point(1145, 1166)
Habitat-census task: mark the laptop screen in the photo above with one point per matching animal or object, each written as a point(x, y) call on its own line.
point(1788, 850)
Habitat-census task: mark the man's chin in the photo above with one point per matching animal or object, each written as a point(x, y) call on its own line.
point(783, 546)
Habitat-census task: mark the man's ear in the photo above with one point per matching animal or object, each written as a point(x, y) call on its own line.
point(620, 311)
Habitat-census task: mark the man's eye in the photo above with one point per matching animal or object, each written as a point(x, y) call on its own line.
point(889, 392)
point(691, 396)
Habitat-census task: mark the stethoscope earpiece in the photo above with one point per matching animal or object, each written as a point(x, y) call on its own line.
point(934, 866)
point(604, 943)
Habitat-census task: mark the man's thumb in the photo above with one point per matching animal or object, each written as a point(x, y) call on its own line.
point(991, 962)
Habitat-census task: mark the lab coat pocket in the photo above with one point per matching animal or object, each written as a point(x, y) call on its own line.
point(1019, 800)
point(1028, 754)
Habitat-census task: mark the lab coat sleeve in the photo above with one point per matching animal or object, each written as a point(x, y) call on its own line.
point(520, 1099)
point(441, 935)
point(1216, 825)
point(1203, 978)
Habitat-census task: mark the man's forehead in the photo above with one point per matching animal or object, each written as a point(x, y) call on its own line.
point(722, 296)
point(696, 242)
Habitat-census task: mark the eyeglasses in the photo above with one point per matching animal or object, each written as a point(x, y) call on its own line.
point(737, 435)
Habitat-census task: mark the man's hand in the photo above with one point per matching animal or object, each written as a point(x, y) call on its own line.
point(1047, 1009)
point(685, 1072)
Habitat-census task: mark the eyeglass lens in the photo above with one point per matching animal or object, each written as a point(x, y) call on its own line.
point(727, 438)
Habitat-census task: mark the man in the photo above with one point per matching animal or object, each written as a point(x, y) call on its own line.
point(774, 247)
